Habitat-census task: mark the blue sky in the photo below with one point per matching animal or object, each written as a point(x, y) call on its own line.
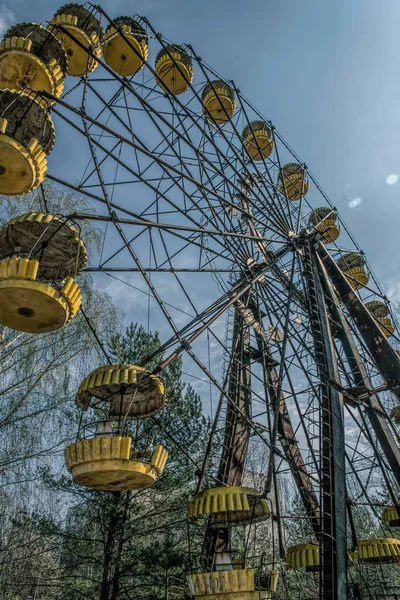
point(326, 73)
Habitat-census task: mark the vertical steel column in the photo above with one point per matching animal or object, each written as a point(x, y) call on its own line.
point(237, 430)
point(333, 481)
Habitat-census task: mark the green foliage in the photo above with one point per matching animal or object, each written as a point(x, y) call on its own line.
point(125, 544)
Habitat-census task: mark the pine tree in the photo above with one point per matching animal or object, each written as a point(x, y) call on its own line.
point(133, 544)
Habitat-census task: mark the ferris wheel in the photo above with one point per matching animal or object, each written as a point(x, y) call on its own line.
point(204, 205)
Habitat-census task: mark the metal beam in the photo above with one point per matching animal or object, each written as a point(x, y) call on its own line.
point(373, 407)
point(333, 472)
point(237, 430)
point(285, 428)
point(385, 357)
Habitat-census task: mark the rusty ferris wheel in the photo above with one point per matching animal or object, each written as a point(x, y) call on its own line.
point(198, 190)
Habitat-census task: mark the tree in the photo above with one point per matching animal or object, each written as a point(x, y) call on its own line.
point(129, 544)
point(39, 378)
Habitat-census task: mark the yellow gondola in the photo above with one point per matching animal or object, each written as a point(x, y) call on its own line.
point(395, 414)
point(390, 516)
point(131, 391)
point(324, 220)
point(32, 57)
point(38, 254)
point(53, 241)
point(293, 181)
point(378, 551)
point(219, 102)
point(378, 308)
point(387, 326)
point(352, 265)
point(174, 69)
point(82, 25)
point(257, 140)
point(304, 555)
point(125, 58)
point(106, 463)
point(26, 136)
point(229, 506)
point(32, 306)
point(380, 311)
point(236, 584)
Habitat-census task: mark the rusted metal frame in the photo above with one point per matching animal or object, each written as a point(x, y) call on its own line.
point(226, 189)
point(280, 172)
point(259, 243)
point(276, 407)
point(297, 295)
point(192, 242)
point(297, 158)
point(262, 345)
point(186, 347)
point(239, 386)
point(214, 426)
point(306, 373)
point(218, 540)
point(265, 288)
point(373, 408)
point(237, 429)
point(126, 241)
point(333, 484)
point(268, 299)
point(253, 426)
point(287, 435)
point(215, 309)
point(114, 205)
point(264, 199)
point(259, 398)
point(119, 161)
point(216, 338)
point(176, 154)
point(148, 106)
point(365, 429)
point(201, 164)
point(289, 443)
point(82, 185)
point(85, 177)
point(141, 148)
point(368, 362)
point(95, 335)
point(259, 149)
point(196, 95)
point(130, 128)
point(248, 218)
point(385, 357)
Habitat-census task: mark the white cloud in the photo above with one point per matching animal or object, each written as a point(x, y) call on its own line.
point(355, 202)
point(391, 179)
point(393, 289)
point(7, 18)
